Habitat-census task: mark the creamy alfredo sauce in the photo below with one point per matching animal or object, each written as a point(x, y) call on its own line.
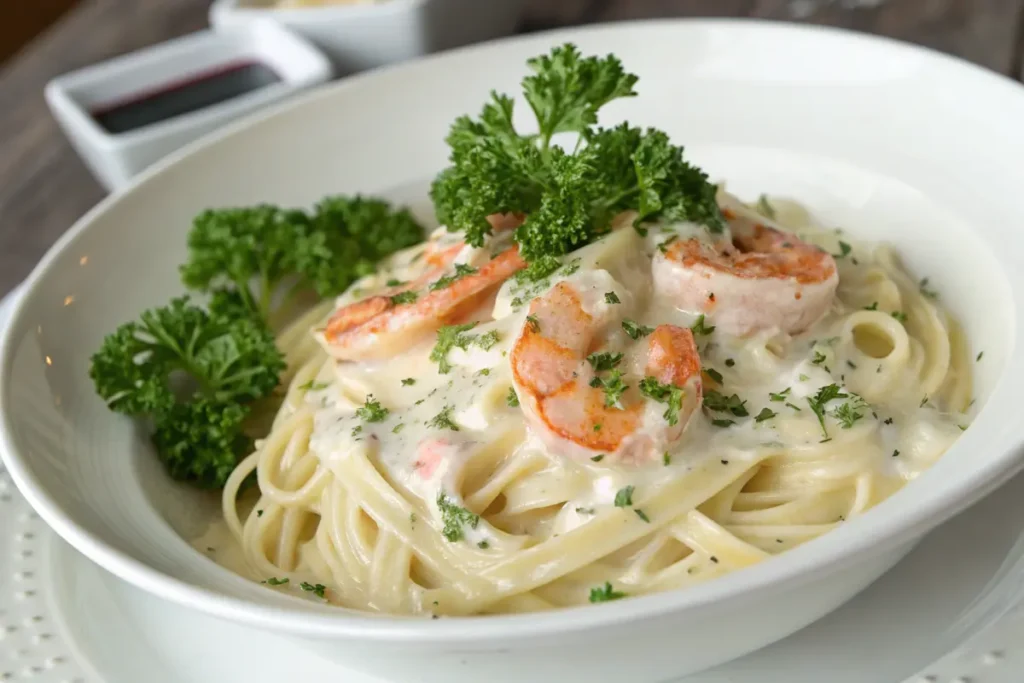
point(760, 391)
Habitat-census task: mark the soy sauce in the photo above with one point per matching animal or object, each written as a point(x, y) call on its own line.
point(190, 94)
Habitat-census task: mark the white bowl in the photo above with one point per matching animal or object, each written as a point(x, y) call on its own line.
point(357, 37)
point(891, 141)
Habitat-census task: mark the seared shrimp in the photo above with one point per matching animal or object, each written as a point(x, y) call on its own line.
point(565, 395)
point(383, 324)
point(764, 278)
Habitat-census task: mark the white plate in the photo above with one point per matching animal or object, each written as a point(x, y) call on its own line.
point(862, 130)
point(65, 620)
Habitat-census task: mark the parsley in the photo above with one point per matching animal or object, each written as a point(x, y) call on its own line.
point(926, 290)
point(568, 198)
point(511, 398)
point(403, 298)
point(313, 385)
point(534, 324)
point(780, 396)
point(723, 423)
point(624, 497)
point(461, 271)
point(455, 518)
point(372, 410)
point(666, 459)
point(408, 382)
point(394, 282)
point(978, 358)
point(895, 453)
point(669, 394)
point(844, 249)
point(605, 593)
point(444, 420)
point(847, 415)
point(718, 402)
point(764, 208)
point(872, 307)
point(642, 515)
point(487, 340)
point(483, 545)
point(450, 337)
point(274, 581)
point(598, 458)
point(604, 361)
point(585, 511)
point(636, 330)
point(803, 377)
point(818, 402)
point(819, 358)
point(613, 387)
point(729, 362)
point(259, 513)
point(765, 414)
point(715, 374)
point(611, 298)
point(663, 246)
point(790, 405)
point(398, 427)
point(887, 421)
point(700, 328)
point(900, 315)
point(318, 590)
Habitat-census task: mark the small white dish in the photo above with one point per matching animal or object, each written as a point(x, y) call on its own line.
point(367, 35)
point(809, 113)
point(123, 114)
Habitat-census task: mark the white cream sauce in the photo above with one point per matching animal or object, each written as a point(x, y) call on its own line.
point(775, 379)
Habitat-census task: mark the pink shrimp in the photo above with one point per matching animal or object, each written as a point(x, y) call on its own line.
point(383, 324)
point(563, 396)
point(764, 278)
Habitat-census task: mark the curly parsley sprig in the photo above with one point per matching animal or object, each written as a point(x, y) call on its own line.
point(569, 198)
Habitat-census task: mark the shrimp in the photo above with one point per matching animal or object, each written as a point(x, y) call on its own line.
point(562, 394)
point(764, 278)
point(383, 324)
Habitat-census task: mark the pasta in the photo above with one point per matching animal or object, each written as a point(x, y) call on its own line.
point(350, 508)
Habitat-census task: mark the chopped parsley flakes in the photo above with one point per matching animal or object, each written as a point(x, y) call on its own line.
point(624, 497)
point(780, 396)
point(372, 410)
point(455, 518)
point(818, 402)
point(699, 327)
point(534, 324)
point(636, 330)
point(604, 361)
point(642, 515)
point(274, 581)
point(844, 249)
point(605, 593)
point(408, 382)
point(313, 385)
point(765, 414)
point(764, 208)
point(403, 298)
point(669, 394)
point(611, 298)
point(461, 271)
point(718, 402)
point(319, 590)
point(444, 420)
point(926, 291)
point(454, 337)
point(512, 399)
point(714, 374)
point(612, 385)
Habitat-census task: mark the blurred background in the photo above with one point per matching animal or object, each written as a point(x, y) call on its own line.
point(44, 186)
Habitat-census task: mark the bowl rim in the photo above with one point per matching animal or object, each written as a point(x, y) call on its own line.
point(780, 572)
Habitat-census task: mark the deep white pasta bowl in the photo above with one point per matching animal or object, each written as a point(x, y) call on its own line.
point(893, 142)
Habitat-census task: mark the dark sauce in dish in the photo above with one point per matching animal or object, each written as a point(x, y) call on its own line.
point(192, 93)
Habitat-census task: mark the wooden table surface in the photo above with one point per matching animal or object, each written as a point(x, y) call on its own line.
point(44, 187)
